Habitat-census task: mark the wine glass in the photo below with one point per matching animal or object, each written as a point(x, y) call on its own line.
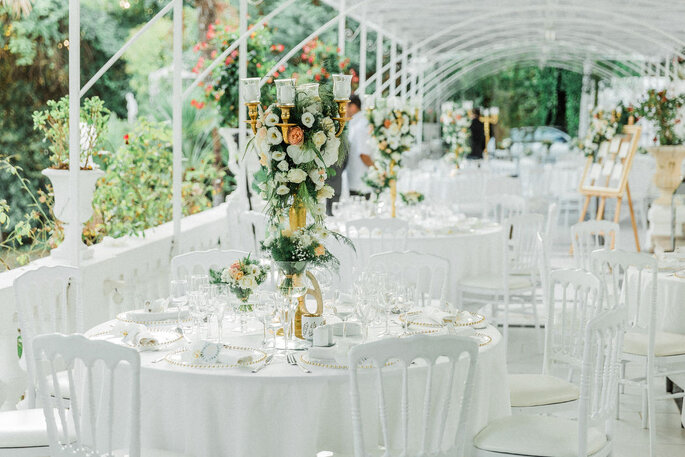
point(343, 312)
point(196, 281)
point(263, 311)
point(291, 285)
point(196, 311)
point(220, 302)
point(366, 313)
point(178, 295)
point(209, 293)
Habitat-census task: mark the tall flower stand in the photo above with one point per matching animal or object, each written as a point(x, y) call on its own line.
point(667, 178)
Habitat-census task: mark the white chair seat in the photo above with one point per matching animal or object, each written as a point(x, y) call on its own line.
point(147, 452)
point(665, 343)
point(493, 282)
point(23, 428)
point(539, 389)
point(541, 436)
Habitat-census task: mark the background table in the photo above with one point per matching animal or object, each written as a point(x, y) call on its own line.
point(280, 410)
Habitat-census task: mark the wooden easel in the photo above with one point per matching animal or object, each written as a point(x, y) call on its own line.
point(621, 150)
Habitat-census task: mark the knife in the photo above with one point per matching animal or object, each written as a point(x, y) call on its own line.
point(266, 362)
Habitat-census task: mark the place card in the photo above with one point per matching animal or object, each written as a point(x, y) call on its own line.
point(615, 144)
point(625, 148)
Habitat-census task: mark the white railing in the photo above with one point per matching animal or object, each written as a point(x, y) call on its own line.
point(118, 277)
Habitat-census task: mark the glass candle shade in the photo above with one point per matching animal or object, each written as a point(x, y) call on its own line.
point(285, 92)
point(251, 91)
point(342, 87)
point(311, 89)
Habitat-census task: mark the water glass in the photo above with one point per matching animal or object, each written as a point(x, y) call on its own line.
point(197, 281)
point(178, 295)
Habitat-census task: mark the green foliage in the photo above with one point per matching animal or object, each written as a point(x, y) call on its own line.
point(665, 111)
point(53, 122)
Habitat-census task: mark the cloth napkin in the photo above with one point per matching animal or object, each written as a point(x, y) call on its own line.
point(438, 316)
point(335, 354)
point(136, 335)
point(207, 352)
point(156, 306)
point(141, 315)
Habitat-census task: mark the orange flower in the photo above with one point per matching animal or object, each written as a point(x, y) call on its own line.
point(239, 275)
point(319, 250)
point(295, 136)
point(386, 123)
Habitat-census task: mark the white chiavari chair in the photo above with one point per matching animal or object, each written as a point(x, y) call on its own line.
point(199, 262)
point(97, 372)
point(518, 276)
point(631, 281)
point(429, 273)
point(551, 436)
point(48, 301)
point(253, 224)
point(572, 298)
point(500, 207)
point(373, 235)
point(589, 236)
point(434, 422)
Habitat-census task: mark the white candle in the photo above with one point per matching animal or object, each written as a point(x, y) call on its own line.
point(251, 92)
point(311, 89)
point(285, 91)
point(342, 87)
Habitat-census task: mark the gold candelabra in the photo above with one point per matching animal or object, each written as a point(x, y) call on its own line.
point(253, 112)
point(488, 118)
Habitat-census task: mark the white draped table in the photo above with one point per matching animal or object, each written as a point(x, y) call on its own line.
point(280, 411)
point(670, 299)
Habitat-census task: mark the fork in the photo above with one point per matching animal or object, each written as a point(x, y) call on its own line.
point(292, 360)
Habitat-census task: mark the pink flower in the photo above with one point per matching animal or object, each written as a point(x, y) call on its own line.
point(295, 136)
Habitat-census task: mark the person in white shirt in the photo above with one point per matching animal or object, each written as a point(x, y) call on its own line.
point(359, 159)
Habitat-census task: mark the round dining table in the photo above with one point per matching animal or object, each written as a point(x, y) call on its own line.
point(280, 410)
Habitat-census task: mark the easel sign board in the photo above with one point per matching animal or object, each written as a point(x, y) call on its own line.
point(608, 175)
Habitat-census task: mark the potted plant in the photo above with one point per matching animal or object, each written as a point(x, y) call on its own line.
point(53, 122)
point(666, 113)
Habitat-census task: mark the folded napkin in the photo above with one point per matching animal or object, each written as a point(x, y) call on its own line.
point(335, 354)
point(142, 315)
point(158, 305)
point(206, 352)
point(438, 316)
point(136, 335)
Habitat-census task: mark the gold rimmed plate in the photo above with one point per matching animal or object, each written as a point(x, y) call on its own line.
point(465, 319)
point(172, 319)
point(165, 337)
point(321, 363)
point(180, 358)
point(482, 338)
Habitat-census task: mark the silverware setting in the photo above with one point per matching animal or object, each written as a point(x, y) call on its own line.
point(266, 362)
point(292, 360)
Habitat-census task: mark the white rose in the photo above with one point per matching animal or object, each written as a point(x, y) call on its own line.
point(394, 129)
point(319, 139)
point(271, 119)
point(282, 165)
point(299, 154)
point(329, 153)
point(282, 190)
point(273, 136)
point(378, 117)
point(328, 125)
point(396, 156)
point(318, 177)
point(325, 192)
point(314, 108)
point(281, 177)
point(405, 128)
point(296, 175)
point(278, 155)
point(308, 120)
point(394, 142)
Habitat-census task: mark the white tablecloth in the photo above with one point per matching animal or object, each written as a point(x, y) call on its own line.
point(670, 299)
point(279, 411)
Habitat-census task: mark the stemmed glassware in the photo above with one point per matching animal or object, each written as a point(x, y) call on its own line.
point(178, 295)
point(264, 311)
point(219, 305)
point(291, 286)
point(196, 312)
point(366, 313)
point(343, 312)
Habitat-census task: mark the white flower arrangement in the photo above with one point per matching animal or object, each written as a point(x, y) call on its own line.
point(455, 122)
point(393, 129)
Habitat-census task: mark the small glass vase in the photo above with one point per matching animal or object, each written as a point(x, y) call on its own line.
point(243, 308)
point(291, 284)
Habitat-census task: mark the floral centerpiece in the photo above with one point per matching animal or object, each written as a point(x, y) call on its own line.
point(412, 198)
point(242, 277)
point(393, 127)
point(295, 169)
point(604, 126)
point(377, 179)
point(455, 123)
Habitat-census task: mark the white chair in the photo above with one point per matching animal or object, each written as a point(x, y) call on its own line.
point(184, 265)
point(429, 273)
point(551, 436)
point(253, 225)
point(518, 276)
point(589, 236)
point(572, 298)
point(439, 408)
point(373, 235)
point(48, 301)
point(503, 206)
point(89, 427)
point(631, 279)
point(467, 191)
point(502, 185)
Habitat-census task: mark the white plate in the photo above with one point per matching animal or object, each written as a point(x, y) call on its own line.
point(165, 337)
point(465, 319)
point(179, 358)
point(151, 320)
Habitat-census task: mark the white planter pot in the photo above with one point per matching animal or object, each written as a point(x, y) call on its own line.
point(667, 177)
point(86, 187)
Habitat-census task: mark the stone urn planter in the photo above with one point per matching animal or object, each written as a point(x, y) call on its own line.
point(86, 188)
point(667, 177)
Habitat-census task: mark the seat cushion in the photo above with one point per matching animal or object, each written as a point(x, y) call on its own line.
point(665, 343)
point(23, 428)
point(544, 436)
point(489, 281)
point(540, 389)
point(148, 452)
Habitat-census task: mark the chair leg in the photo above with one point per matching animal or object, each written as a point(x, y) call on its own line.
point(644, 406)
point(506, 322)
point(651, 416)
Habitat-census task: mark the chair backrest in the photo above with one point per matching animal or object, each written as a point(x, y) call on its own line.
point(503, 206)
point(48, 301)
point(429, 273)
point(551, 223)
point(373, 235)
point(521, 246)
point(497, 184)
point(433, 420)
point(589, 236)
point(100, 374)
point(603, 337)
point(573, 297)
point(253, 224)
point(630, 279)
point(199, 262)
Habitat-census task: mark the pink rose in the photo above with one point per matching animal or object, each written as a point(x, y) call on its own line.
point(295, 136)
